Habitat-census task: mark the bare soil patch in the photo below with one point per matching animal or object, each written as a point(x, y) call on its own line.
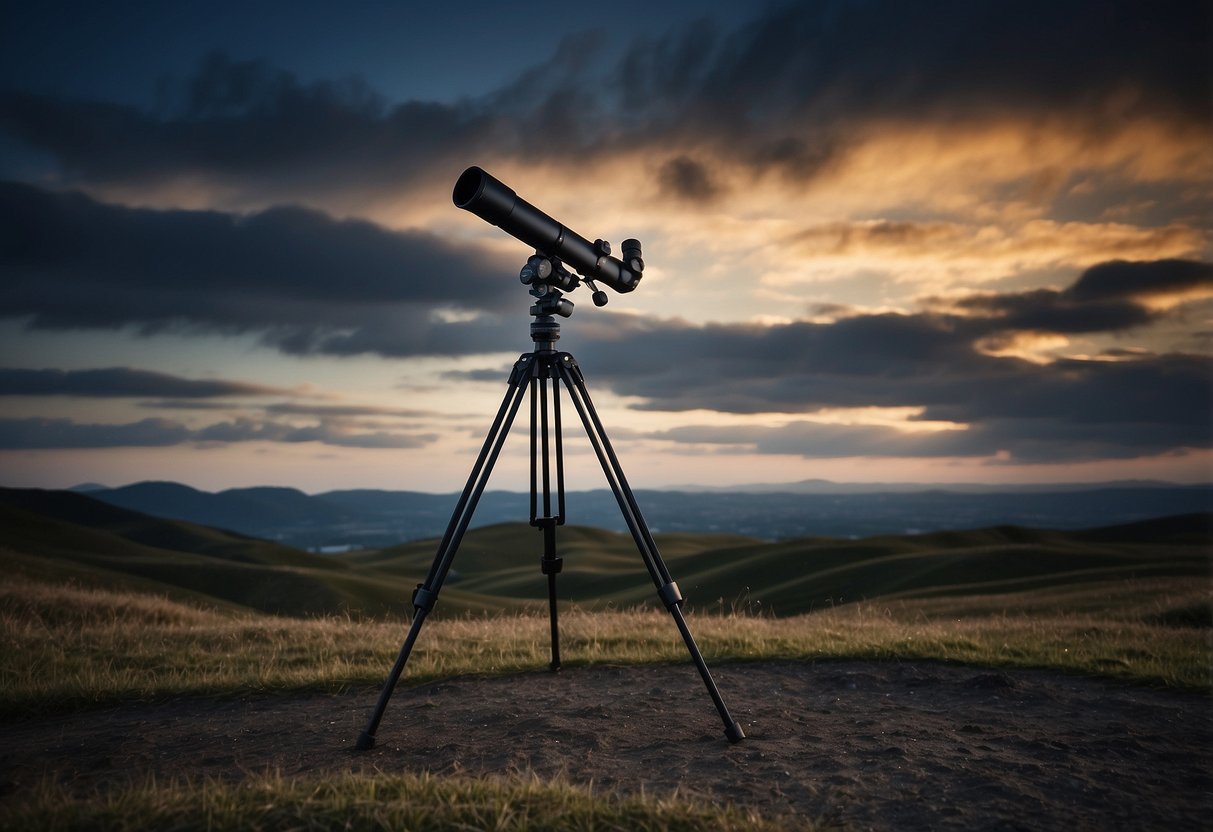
point(873, 745)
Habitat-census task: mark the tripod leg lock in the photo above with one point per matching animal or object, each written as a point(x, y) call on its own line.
point(423, 599)
point(551, 566)
point(522, 370)
point(670, 595)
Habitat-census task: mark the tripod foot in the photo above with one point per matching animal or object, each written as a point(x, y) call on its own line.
point(734, 732)
point(367, 741)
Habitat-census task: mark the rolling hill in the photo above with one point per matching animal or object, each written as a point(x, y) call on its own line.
point(56, 535)
point(65, 536)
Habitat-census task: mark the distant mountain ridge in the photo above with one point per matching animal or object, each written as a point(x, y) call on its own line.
point(372, 517)
point(239, 509)
point(820, 486)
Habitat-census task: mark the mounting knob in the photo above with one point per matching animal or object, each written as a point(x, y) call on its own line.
point(599, 297)
point(537, 269)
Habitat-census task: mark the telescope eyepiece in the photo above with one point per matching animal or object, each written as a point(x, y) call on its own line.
point(631, 255)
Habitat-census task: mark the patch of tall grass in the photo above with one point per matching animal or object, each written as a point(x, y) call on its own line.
point(372, 802)
point(67, 646)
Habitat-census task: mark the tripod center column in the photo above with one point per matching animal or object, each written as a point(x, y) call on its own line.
point(545, 332)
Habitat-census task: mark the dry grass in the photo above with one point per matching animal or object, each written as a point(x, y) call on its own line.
point(66, 646)
point(361, 801)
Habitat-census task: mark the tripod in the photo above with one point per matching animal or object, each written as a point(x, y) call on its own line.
point(538, 372)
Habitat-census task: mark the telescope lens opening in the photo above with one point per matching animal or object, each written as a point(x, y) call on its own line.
point(469, 186)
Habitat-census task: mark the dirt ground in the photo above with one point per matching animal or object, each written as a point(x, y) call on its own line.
point(868, 745)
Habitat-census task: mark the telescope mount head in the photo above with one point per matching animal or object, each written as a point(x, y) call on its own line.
point(549, 280)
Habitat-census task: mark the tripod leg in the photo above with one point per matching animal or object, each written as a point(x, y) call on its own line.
point(426, 593)
point(667, 589)
point(541, 462)
point(551, 565)
point(367, 738)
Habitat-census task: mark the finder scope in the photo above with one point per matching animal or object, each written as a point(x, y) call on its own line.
point(497, 204)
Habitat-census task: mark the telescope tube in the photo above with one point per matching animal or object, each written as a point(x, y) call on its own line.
point(497, 204)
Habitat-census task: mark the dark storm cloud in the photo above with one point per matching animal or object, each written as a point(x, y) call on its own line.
point(1120, 279)
point(1106, 298)
point(1071, 410)
point(929, 59)
point(938, 362)
point(1046, 310)
point(45, 434)
point(120, 382)
point(759, 95)
point(303, 280)
point(245, 119)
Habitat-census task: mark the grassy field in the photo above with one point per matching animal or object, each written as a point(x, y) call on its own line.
point(101, 606)
point(69, 646)
point(357, 802)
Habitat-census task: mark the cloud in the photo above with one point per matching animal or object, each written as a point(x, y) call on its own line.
point(1108, 297)
point(1047, 310)
point(243, 119)
point(24, 434)
point(980, 247)
point(39, 433)
point(305, 281)
point(688, 180)
point(309, 284)
point(122, 382)
point(250, 430)
point(1010, 440)
point(330, 411)
point(1121, 279)
point(929, 358)
point(824, 440)
point(941, 363)
point(788, 93)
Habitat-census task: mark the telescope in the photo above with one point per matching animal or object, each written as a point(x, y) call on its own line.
point(497, 204)
point(541, 374)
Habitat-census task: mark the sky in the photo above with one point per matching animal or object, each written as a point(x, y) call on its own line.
point(932, 242)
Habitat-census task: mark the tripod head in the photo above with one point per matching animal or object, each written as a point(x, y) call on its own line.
point(549, 280)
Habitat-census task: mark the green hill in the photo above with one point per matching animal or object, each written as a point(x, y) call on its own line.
point(57, 536)
point(790, 577)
